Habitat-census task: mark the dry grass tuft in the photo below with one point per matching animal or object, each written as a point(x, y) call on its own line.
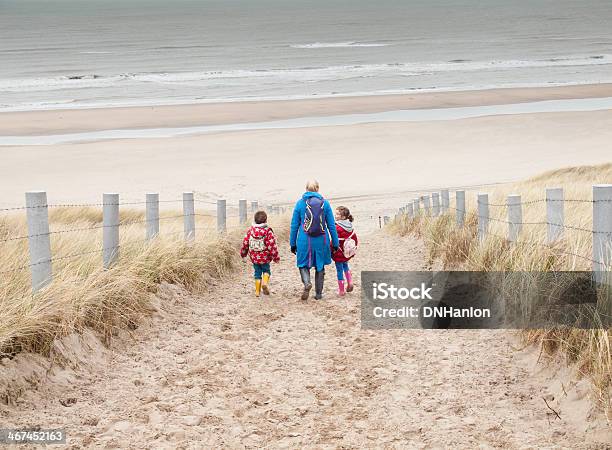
point(567, 175)
point(458, 248)
point(90, 215)
point(84, 295)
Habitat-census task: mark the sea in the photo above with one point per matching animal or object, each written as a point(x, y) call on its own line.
point(58, 54)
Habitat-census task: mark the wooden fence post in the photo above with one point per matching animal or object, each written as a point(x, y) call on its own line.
point(483, 216)
point(110, 233)
point(152, 215)
point(602, 232)
point(460, 207)
point(554, 214)
point(221, 216)
point(409, 210)
point(188, 216)
point(38, 239)
point(445, 200)
point(426, 204)
point(435, 200)
point(515, 217)
point(242, 211)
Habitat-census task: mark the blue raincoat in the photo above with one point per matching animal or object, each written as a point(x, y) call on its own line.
point(312, 251)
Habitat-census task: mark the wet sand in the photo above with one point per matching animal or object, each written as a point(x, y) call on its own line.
point(81, 120)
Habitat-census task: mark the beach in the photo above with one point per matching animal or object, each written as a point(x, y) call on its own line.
point(371, 165)
point(140, 140)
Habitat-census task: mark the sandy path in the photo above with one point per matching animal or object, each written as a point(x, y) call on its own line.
point(227, 370)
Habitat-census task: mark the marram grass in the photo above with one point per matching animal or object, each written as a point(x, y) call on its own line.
point(459, 248)
point(83, 294)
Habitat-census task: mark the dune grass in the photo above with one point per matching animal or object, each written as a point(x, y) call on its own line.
point(459, 248)
point(83, 294)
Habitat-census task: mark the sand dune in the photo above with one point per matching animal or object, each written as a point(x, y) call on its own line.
point(227, 370)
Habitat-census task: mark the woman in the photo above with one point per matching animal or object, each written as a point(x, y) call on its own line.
point(312, 228)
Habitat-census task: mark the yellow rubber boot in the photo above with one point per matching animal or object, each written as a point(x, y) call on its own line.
point(264, 284)
point(257, 287)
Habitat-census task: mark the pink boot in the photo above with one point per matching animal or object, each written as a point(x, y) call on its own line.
point(349, 281)
point(341, 288)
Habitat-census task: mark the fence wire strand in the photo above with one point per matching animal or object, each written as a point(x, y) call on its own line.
point(548, 246)
point(569, 227)
point(99, 227)
point(211, 228)
point(84, 205)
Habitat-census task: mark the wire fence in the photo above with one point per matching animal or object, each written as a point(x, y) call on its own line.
point(552, 247)
point(510, 214)
point(543, 200)
point(568, 227)
point(39, 235)
point(101, 250)
point(97, 205)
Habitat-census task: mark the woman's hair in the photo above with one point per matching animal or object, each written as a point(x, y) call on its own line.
point(260, 217)
point(345, 213)
point(312, 186)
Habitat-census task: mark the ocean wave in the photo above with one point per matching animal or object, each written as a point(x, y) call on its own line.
point(31, 49)
point(182, 47)
point(281, 76)
point(76, 81)
point(339, 44)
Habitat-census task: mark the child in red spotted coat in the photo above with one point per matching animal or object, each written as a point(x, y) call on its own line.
point(260, 244)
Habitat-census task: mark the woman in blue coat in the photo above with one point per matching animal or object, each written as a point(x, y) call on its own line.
point(313, 227)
